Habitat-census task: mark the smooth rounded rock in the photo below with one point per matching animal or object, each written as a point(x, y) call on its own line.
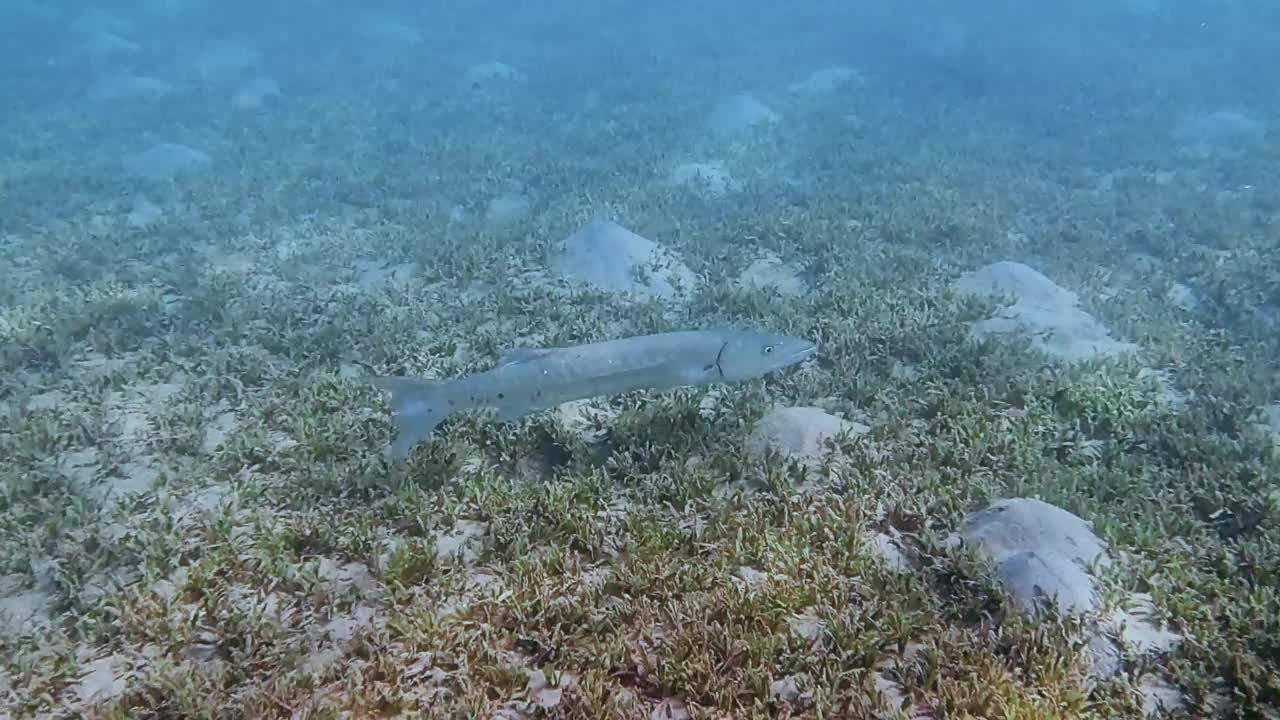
point(1048, 314)
point(606, 256)
point(799, 433)
point(1042, 553)
point(739, 113)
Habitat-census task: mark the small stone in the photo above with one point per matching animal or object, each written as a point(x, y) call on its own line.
point(1159, 697)
point(206, 648)
point(1211, 132)
point(508, 209)
point(320, 661)
point(739, 113)
point(344, 578)
point(670, 709)
point(786, 690)
point(751, 578)
point(1182, 296)
point(226, 59)
point(1103, 657)
point(799, 433)
point(1137, 627)
point(889, 691)
point(887, 550)
point(606, 256)
point(128, 86)
point(143, 214)
point(22, 610)
point(389, 29)
point(1041, 310)
point(165, 161)
point(103, 679)
point(460, 542)
point(826, 80)
point(491, 72)
point(343, 628)
point(134, 478)
point(217, 430)
point(545, 694)
point(770, 271)
point(46, 401)
point(709, 179)
point(255, 93)
point(806, 626)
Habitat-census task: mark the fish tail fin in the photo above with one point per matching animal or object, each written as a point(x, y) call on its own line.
point(417, 406)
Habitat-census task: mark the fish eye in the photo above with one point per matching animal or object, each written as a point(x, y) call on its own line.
point(768, 349)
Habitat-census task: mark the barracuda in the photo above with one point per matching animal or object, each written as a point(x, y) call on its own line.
point(529, 380)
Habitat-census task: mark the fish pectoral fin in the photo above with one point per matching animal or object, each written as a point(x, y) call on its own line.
point(520, 355)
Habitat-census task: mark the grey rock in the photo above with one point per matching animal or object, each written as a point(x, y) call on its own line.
point(710, 179)
point(739, 113)
point(144, 213)
point(1042, 310)
point(1223, 129)
point(508, 209)
point(165, 161)
point(125, 86)
point(1042, 553)
point(1104, 657)
point(799, 433)
point(770, 271)
point(826, 80)
point(1036, 580)
point(607, 256)
point(1044, 557)
point(255, 93)
point(493, 72)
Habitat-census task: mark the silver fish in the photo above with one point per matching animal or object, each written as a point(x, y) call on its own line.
point(528, 380)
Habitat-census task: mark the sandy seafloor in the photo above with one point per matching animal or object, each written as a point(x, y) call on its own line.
point(197, 521)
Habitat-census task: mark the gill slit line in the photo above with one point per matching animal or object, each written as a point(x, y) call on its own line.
point(718, 356)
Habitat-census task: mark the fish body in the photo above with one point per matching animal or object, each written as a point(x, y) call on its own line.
point(529, 380)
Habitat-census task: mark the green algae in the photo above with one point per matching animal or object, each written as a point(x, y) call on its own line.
point(615, 559)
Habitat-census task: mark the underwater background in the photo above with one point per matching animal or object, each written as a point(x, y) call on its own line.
point(1031, 472)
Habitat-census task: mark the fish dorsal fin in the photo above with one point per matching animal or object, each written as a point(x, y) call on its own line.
point(515, 356)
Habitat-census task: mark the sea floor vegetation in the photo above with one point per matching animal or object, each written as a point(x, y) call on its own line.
point(198, 523)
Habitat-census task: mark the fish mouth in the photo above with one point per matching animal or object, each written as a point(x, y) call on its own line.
point(802, 353)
